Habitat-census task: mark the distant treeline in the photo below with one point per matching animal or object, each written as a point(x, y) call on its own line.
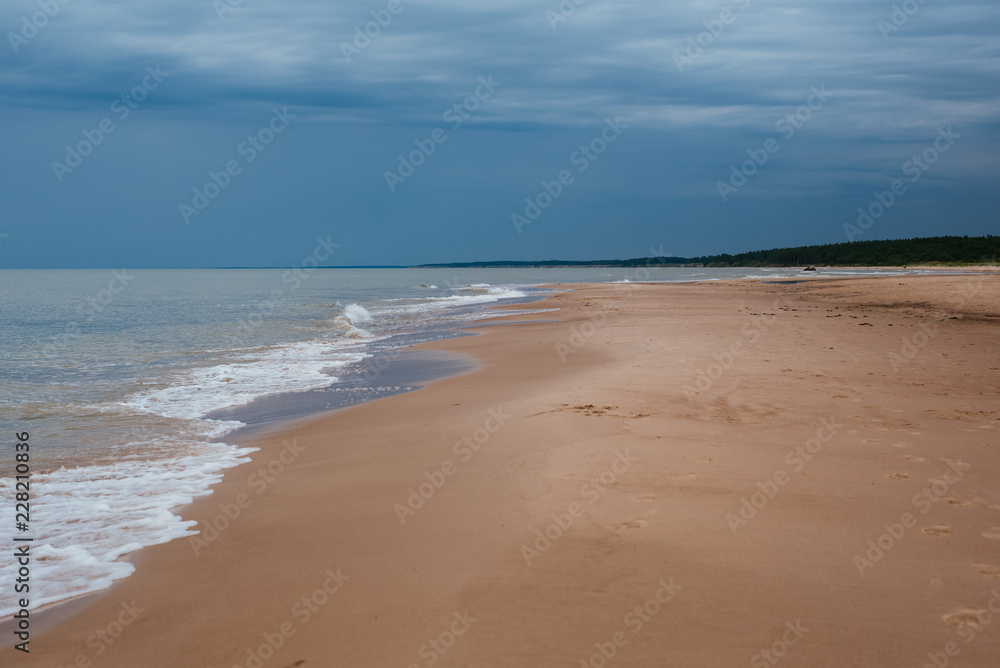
point(888, 253)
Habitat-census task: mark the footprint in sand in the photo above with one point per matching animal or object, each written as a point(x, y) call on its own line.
point(632, 524)
point(591, 409)
point(937, 530)
point(993, 533)
point(899, 476)
point(988, 571)
point(966, 618)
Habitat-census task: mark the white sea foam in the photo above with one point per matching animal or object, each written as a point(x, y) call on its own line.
point(485, 294)
point(85, 519)
point(357, 314)
point(486, 315)
point(285, 368)
point(345, 324)
point(476, 293)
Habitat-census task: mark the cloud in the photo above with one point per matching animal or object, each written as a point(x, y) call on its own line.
point(700, 83)
point(605, 57)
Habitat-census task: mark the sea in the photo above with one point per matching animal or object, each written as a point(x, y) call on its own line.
point(119, 378)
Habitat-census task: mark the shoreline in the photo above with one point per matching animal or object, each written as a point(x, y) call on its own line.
point(530, 482)
point(409, 366)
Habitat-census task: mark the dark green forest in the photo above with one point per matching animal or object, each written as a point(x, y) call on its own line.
point(887, 253)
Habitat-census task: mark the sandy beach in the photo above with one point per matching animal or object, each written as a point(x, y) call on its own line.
point(711, 474)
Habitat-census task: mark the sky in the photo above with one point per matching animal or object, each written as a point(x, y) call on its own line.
point(220, 133)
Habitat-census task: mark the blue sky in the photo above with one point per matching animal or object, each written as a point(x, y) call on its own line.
point(241, 130)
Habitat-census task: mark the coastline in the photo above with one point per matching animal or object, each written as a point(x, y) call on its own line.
point(567, 414)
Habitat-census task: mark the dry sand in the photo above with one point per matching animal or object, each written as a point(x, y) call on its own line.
point(738, 450)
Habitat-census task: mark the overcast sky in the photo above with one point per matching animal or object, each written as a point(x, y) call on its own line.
point(622, 122)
